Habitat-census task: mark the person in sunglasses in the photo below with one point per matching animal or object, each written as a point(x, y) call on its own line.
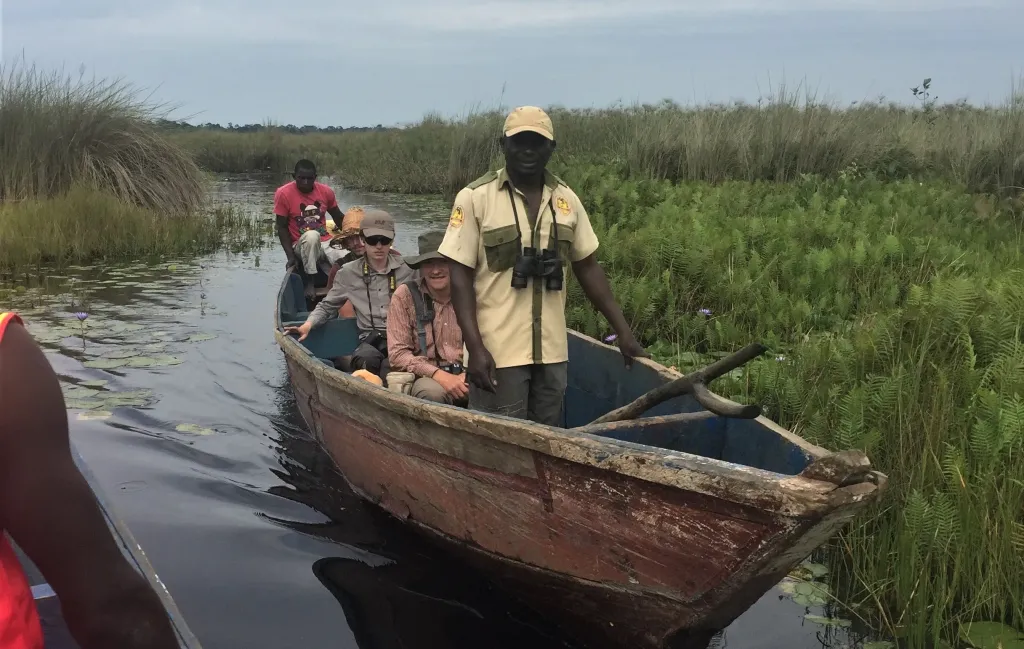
point(368, 283)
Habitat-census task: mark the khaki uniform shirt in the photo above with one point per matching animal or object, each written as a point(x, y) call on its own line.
point(366, 299)
point(518, 326)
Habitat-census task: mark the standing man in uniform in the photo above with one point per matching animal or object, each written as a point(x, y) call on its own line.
point(301, 208)
point(509, 237)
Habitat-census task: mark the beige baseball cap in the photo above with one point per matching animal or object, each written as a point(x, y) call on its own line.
point(378, 223)
point(529, 118)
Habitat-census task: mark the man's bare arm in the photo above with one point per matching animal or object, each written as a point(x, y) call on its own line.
point(480, 370)
point(286, 239)
point(51, 513)
point(595, 285)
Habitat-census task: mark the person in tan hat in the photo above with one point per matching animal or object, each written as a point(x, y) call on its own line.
point(368, 283)
point(424, 337)
point(510, 236)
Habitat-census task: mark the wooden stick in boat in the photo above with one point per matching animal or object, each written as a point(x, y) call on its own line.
point(694, 383)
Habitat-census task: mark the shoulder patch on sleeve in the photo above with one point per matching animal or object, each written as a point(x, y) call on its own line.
point(483, 180)
point(457, 217)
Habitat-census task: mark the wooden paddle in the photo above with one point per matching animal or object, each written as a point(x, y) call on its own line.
point(695, 384)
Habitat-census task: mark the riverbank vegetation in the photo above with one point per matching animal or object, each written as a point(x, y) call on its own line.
point(85, 172)
point(894, 311)
point(86, 224)
point(780, 139)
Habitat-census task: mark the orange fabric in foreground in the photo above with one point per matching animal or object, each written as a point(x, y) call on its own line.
point(19, 619)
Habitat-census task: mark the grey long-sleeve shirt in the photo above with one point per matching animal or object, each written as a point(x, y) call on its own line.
point(349, 285)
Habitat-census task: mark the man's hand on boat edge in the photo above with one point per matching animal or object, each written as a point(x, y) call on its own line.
point(302, 330)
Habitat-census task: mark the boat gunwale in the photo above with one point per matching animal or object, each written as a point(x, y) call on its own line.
point(123, 536)
point(783, 494)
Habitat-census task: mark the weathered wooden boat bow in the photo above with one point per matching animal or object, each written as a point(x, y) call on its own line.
point(654, 518)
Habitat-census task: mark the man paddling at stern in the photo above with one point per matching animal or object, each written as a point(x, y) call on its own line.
point(301, 208)
point(49, 510)
point(510, 234)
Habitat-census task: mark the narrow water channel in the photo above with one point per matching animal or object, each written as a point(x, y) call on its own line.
point(179, 402)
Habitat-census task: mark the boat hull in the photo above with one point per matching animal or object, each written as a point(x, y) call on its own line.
point(615, 559)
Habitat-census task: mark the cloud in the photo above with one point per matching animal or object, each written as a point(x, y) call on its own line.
point(364, 25)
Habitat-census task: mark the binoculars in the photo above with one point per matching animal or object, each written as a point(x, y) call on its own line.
point(548, 266)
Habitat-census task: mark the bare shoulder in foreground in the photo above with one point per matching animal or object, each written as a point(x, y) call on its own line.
point(49, 510)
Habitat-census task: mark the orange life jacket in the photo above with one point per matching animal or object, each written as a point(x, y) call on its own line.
point(19, 619)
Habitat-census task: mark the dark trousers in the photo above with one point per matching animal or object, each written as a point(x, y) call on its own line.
point(369, 358)
point(533, 392)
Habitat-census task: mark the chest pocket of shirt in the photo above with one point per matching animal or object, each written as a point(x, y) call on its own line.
point(566, 235)
point(501, 246)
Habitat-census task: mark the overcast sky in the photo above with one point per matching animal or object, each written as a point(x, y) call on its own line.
point(390, 61)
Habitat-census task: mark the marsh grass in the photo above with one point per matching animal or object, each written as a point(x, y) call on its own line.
point(86, 224)
point(57, 132)
point(779, 139)
point(894, 311)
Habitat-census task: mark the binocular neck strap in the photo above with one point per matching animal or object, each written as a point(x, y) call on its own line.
point(369, 300)
point(552, 240)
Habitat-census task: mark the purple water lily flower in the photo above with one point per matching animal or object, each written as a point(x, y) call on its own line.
point(81, 315)
point(610, 339)
point(704, 312)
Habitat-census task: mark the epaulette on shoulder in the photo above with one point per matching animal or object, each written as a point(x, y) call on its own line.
point(559, 180)
point(483, 180)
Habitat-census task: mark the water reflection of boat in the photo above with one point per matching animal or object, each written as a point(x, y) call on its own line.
point(395, 590)
point(655, 532)
point(55, 630)
point(393, 607)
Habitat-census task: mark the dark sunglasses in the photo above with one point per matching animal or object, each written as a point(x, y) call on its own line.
point(378, 240)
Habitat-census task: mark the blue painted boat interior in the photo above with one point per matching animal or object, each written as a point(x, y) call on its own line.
point(598, 383)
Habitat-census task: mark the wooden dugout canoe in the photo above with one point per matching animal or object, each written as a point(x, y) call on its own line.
point(643, 533)
point(55, 630)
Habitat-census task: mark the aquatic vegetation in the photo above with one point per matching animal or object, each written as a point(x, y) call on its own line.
point(194, 429)
point(779, 139)
point(86, 224)
point(60, 132)
point(895, 313)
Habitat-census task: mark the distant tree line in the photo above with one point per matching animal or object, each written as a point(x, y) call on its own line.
point(174, 125)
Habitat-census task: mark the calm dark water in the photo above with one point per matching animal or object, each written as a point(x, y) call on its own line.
point(195, 438)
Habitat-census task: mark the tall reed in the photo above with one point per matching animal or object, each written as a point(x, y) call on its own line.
point(56, 132)
point(779, 139)
point(85, 224)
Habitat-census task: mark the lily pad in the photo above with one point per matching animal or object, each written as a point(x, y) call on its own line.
point(195, 429)
point(166, 360)
point(878, 644)
point(94, 414)
point(198, 338)
point(76, 392)
point(991, 635)
point(154, 361)
point(155, 347)
point(93, 384)
point(82, 404)
point(788, 586)
point(817, 570)
point(827, 621)
point(105, 363)
point(810, 594)
point(120, 353)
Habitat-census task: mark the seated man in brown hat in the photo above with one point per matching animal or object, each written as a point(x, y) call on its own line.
point(424, 337)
